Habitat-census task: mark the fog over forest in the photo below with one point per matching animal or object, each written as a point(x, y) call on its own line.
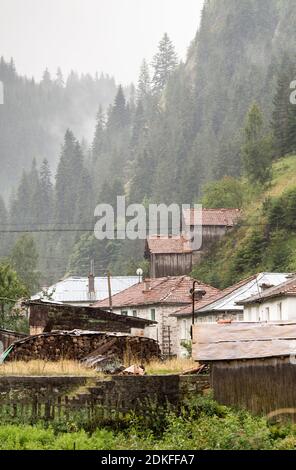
point(152, 108)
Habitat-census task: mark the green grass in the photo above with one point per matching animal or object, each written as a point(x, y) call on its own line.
point(171, 366)
point(202, 424)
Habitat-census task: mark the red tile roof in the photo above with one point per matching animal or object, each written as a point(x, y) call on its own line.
point(214, 217)
point(286, 288)
point(168, 290)
point(208, 300)
point(161, 244)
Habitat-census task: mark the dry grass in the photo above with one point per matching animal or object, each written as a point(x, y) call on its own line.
point(170, 366)
point(40, 367)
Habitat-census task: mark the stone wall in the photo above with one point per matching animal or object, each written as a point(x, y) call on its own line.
point(163, 318)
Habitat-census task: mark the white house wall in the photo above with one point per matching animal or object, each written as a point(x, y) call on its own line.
point(279, 309)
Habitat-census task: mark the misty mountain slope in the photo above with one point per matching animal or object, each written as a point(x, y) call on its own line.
point(238, 53)
point(180, 129)
point(194, 134)
point(35, 116)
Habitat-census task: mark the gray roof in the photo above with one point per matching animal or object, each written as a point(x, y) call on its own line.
point(75, 289)
point(228, 342)
point(251, 287)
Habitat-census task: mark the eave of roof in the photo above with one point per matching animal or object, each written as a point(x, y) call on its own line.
point(92, 310)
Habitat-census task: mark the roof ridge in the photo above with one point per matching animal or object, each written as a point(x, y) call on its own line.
point(174, 287)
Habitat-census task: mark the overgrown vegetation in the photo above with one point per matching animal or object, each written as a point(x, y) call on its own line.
point(264, 239)
point(38, 367)
point(202, 424)
point(172, 366)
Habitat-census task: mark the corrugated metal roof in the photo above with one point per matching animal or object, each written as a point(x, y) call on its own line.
point(244, 290)
point(287, 288)
point(75, 289)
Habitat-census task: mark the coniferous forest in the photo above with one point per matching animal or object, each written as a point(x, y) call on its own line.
point(69, 143)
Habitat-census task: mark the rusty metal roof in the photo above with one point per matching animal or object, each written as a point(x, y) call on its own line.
point(172, 290)
point(161, 244)
point(212, 217)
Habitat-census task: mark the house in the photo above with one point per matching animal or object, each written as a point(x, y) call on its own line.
point(174, 255)
point(168, 256)
point(275, 303)
point(76, 290)
point(211, 226)
point(156, 299)
point(45, 317)
point(252, 365)
point(226, 304)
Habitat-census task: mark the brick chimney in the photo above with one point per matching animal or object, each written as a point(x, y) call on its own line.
point(146, 285)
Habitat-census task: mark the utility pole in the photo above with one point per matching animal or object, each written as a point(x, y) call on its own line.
point(109, 291)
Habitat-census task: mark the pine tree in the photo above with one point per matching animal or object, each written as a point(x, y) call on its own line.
point(98, 142)
point(144, 83)
point(257, 149)
point(46, 194)
point(24, 259)
point(20, 214)
point(67, 178)
point(3, 226)
point(164, 63)
point(11, 290)
point(46, 81)
point(282, 114)
point(118, 118)
point(138, 124)
point(59, 78)
point(34, 214)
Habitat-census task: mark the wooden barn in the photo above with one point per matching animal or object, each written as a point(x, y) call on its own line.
point(253, 366)
point(168, 256)
point(48, 316)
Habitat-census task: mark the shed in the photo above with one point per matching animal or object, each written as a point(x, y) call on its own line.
point(253, 365)
point(168, 255)
point(49, 316)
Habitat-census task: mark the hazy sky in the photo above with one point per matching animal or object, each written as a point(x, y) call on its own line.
point(93, 35)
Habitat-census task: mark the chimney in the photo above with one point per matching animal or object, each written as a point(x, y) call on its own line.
point(146, 287)
point(91, 285)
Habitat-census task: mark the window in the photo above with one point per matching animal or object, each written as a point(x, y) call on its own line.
point(257, 313)
point(279, 311)
point(267, 315)
point(124, 313)
point(152, 312)
point(240, 317)
point(183, 330)
point(134, 313)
